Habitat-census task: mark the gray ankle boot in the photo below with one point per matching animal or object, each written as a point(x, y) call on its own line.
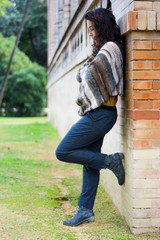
point(114, 163)
point(82, 215)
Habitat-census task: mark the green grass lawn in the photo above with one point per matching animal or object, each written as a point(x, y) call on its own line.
point(37, 192)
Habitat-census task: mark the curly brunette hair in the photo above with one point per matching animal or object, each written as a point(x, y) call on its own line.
point(106, 28)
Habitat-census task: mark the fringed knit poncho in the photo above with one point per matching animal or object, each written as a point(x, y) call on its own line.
point(100, 78)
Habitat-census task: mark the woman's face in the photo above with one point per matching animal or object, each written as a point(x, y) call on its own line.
point(91, 28)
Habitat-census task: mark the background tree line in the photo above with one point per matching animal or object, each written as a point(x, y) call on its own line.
point(25, 93)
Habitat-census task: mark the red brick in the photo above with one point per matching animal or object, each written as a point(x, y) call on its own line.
point(129, 75)
point(142, 124)
point(146, 134)
point(142, 95)
point(142, 45)
point(142, 144)
point(142, 64)
point(155, 94)
point(143, 104)
point(156, 144)
point(156, 64)
point(129, 94)
point(132, 20)
point(129, 85)
point(146, 74)
point(156, 104)
point(156, 124)
point(129, 66)
point(143, 55)
point(129, 56)
point(138, 115)
point(129, 104)
point(156, 85)
point(146, 35)
point(146, 94)
point(142, 85)
point(156, 45)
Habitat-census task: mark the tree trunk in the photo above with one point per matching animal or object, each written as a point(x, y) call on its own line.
point(13, 52)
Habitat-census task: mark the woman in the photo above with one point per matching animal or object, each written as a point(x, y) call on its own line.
point(101, 81)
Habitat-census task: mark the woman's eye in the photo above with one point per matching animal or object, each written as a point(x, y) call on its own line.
point(90, 30)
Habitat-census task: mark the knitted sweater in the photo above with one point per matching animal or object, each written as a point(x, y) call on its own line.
point(100, 78)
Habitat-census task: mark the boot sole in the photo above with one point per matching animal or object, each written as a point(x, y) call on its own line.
point(122, 157)
point(87, 220)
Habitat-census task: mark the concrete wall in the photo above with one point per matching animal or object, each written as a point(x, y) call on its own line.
point(137, 131)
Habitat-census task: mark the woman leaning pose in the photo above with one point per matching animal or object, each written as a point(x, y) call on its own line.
point(101, 81)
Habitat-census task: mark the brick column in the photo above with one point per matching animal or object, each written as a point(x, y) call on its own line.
point(141, 27)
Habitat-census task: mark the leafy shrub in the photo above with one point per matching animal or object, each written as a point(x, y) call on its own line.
point(25, 93)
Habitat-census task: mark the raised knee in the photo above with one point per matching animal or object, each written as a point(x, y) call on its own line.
point(62, 154)
point(59, 154)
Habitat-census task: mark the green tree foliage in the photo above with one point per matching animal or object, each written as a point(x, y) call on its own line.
point(25, 92)
point(34, 36)
point(3, 5)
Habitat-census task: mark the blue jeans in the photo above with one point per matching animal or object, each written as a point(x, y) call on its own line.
point(82, 145)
